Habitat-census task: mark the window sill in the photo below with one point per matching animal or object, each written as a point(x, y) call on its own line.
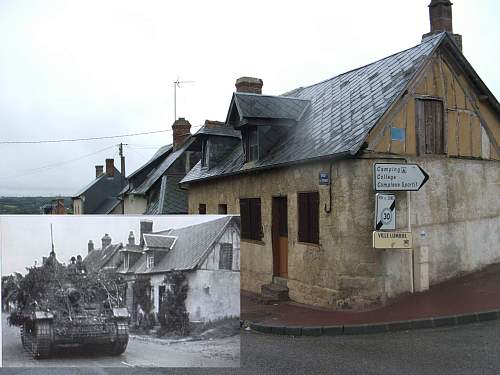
point(310, 244)
point(256, 242)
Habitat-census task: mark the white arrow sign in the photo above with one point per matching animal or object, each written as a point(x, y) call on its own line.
point(398, 177)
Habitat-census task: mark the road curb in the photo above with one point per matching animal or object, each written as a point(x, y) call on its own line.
point(357, 329)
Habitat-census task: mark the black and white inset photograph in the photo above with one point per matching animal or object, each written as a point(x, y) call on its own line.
point(130, 291)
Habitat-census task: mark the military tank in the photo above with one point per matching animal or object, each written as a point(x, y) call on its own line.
point(65, 307)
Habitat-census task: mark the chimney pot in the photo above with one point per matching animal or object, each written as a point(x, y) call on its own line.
point(106, 241)
point(110, 167)
point(90, 246)
point(131, 238)
point(181, 129)
point(249, 84)
point(146, 227)
point(99, 171)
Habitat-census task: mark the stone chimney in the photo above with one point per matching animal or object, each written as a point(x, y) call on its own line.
point(181, 131)
point(110, 167)
point(131, 239)
point(90, 246)
point(146, 227)
point(99, 171)
point(106, 241)
point(441, 19)
point(249, 84)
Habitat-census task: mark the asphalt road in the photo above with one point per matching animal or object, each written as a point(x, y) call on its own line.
point(140, 352)
point(467, 349)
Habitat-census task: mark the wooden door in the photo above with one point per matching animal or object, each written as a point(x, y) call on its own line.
point(280, 236)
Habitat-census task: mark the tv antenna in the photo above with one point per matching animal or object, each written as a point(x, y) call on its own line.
point(177, 83)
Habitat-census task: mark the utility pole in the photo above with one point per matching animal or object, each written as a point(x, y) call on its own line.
point(122, 172)
point(177, 84)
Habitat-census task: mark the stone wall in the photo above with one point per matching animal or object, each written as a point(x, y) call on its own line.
point(135, 204)
point(458, 209)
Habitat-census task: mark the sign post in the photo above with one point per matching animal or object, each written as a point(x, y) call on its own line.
point(395, 177)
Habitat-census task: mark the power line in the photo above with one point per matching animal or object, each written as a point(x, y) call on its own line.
point(89, 138)
point(51, 166)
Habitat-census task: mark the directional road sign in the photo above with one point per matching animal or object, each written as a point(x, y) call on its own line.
point(385, 211)
point(398, 177)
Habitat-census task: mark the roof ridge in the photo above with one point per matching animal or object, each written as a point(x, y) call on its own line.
point(271, 96)
point(440, 35)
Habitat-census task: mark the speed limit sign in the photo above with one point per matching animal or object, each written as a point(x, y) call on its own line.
point(385, 211)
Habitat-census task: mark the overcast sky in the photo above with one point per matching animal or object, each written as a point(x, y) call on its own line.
point(25, 239)
point(71, 69)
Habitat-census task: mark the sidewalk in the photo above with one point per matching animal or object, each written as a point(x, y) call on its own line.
point(474, 297)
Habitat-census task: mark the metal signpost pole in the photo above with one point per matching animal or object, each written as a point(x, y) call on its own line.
point(412, 278)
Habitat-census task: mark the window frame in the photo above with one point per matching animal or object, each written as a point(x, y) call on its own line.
point(150, 261)
point(308, 217)
point(226, 256)
point(126, 261)
point(251, 142)
point(204, 153)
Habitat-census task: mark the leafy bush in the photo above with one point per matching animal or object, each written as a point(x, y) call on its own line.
point(173, 316)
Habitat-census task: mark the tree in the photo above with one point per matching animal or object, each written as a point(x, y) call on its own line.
point(173, 315)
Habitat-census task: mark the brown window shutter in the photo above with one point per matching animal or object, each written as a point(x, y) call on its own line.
point(302, 202)
point(255, 219)
point(420, 124)
point(314, 217)
point(438, 127)
point(245, 218)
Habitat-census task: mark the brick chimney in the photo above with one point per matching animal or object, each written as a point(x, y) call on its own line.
point(249, 84)
point(146, 227)
point(90, 246)
point(106, 241)
point(131, 239)
point(99, 171)
point(441, 19)
point(110, 167)
point(181, 131)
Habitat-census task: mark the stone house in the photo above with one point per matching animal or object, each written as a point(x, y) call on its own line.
point(301, 177)
point(101, 196)
point(154, 187)
point(208, 254)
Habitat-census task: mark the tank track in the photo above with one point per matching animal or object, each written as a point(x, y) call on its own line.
point(38, 344)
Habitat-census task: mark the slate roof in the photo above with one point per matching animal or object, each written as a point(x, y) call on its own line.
point(171, 200)
point(341, 113)
point(191, 246)
point(163, 241)
point(162, 151)
point(219, 131)
point(99, 257)
point(101, 195)
point(269, 107)
point(153, 177)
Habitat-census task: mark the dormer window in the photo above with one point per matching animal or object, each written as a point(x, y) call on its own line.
point(204, 153)
point(251, 145)
point(150, 261)
point(126, 261)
